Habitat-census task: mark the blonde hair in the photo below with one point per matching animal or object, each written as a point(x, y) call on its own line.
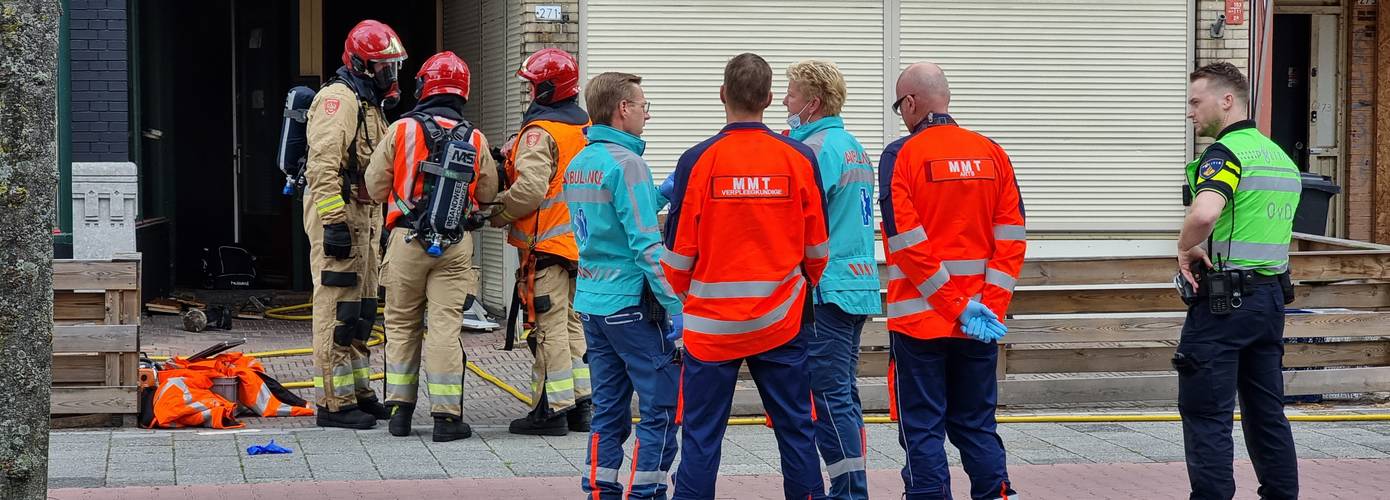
point(820, 79)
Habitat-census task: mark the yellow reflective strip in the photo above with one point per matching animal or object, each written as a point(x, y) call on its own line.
point(361, 373)
point(343, 380)
point(560, 385)
point(1227, 177)
point(331, 203)
point(581, 372)
point(401, 379)
point(445, 389)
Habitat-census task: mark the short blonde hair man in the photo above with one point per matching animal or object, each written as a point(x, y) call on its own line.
point(820, 79)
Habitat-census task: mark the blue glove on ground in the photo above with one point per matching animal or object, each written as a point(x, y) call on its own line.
point(271, 448)
point(677, 327)
point(980, 323)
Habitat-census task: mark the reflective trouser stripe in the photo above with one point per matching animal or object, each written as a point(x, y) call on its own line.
point(645, 477)
point(845, 466)
point(581, 376)
point(604, 474)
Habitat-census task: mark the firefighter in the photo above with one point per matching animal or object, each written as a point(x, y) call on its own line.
point(623, 297)
point(345, 122)
point(849, 291)
point(1245, 191)
point(954, 235)
point(533, 205)
point(417, 282)
point(746, 243)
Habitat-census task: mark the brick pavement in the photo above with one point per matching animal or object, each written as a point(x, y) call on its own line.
point(1320, 480)
point(123, 458)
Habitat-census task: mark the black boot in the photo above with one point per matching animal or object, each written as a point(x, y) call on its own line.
point(400, 418)
point(373, 407)
point(580, 417)
point(348, 417)
point(450, 428)
point(537, 423)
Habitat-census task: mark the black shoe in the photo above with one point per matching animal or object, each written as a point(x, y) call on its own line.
point(349, 417)
point(450, 428)
point(373, 407)
point(400, 418)
point(554, 425)
point(580, 417)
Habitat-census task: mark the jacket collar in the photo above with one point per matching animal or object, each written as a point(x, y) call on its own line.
point(567, 111)
point(360, 84)
point(932, 120)
point(1240, 125)
point(605, 133)
point(806, 131)
point(738, 126)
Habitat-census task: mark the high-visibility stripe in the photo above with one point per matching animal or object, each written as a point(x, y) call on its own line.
point(906, 239)
point(604, 474)
point(1251, 251)
point(894, 273)
point(856, 175)
point(907, 307)
point(643, 477)
point(445, 390)
point(1280, 184)
point(553, 232)
point(820, 251)
point(1000, 279)
point(677, 261)
point(1266, 168)
point(1010, 232)
point(550, 202)
point(965, 267)
point(361, 373)
point(262, 400)
point(713, 326)
point(739, 289)
point(585, 195)
point(403, 379)
point(934, 283)
point(342, 385)
point(330, 204)
point(845, 466)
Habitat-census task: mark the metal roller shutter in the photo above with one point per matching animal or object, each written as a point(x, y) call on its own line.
point(1087, 97)
point(680, 50)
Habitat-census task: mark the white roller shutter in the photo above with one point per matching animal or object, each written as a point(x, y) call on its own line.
point(680, 50)
point(486, 34)
point(1087, 97)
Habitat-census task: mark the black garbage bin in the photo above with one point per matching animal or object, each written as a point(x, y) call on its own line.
point(1311, 216)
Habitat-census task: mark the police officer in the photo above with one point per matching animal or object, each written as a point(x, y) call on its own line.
point(417, 282)
point(623, 297)
point(533, 205)
point(345, 122)
point(746, 243)
point(849, 290)
point(954, 231)
point(1234, 250)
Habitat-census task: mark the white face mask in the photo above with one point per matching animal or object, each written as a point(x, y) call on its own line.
point(794, 121)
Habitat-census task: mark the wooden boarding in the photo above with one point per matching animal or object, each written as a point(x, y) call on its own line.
point(1307, 266)
point(96, 341)
point(1165, 387)
point(1159, 298)
point(1304, 242)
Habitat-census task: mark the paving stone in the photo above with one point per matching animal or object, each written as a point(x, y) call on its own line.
point(77, 482)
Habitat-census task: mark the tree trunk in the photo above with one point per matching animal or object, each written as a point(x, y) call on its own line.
point(28, 186)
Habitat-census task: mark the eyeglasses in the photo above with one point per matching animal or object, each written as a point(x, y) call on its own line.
point(646, 105)
point(898, 104)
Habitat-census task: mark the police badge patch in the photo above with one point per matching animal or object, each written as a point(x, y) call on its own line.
point(1211, 167)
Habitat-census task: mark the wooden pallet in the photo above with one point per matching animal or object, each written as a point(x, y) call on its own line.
point(96, 336)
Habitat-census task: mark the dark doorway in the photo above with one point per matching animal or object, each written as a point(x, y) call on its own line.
point(1289, 96)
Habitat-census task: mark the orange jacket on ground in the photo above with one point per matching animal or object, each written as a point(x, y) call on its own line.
point(953, 227)
point(747, 240)
point(185, 399)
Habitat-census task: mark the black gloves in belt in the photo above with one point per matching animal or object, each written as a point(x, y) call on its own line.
point(337, 240)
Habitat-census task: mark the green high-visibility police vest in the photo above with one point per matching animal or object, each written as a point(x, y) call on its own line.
point(1263, 209)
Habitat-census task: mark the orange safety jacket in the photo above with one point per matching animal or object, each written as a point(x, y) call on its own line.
point(953, 227)
point(185, 399)
point(746, 240)
point(412, 147)
point(548, 229)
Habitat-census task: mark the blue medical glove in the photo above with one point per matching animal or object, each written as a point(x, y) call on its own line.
point(668, 186)
point(980, 323)
point(677, 327)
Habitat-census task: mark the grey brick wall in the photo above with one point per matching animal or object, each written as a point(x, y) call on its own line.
point(100, 81)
